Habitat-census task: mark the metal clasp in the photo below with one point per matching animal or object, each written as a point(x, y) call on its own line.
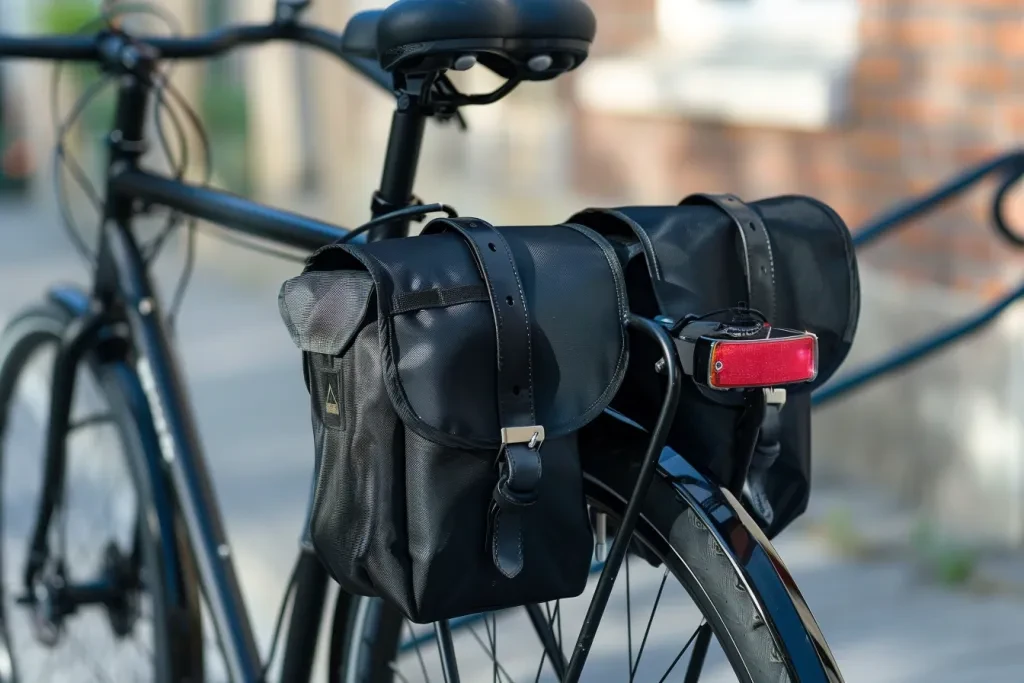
point(532, 436)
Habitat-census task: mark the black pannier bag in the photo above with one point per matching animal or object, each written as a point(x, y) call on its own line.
point(449, 375)
point(792, 259)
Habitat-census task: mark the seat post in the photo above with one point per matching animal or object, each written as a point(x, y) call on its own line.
point(396, 186)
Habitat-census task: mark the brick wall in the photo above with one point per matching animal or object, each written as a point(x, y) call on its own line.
point(939, 85)
point(622, 24)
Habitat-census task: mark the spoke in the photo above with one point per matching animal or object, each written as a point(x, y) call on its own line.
point(700, 651)
point(419, 655)
point(446, 649)
point(47, 669)
point(90, 421)
point(494, 644)
point(396, 672)
point(650, 620)
point(81, 652)
point(108, 510)
point(558, 614)
point(136, 556)
point(542, 627)
point(681, 653)
point(61, 513)
point(629, 621)
point(543, 655)
point(143, 650)
point(476, 635)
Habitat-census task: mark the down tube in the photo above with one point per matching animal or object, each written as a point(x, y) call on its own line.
point(179, 444)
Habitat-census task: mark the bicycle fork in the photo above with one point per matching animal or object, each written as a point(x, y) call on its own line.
point(46, 590)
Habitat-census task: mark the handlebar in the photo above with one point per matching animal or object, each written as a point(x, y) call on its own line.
point(70, 48)
point(88, 48)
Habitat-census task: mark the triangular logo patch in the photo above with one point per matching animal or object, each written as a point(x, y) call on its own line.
point(332, 401)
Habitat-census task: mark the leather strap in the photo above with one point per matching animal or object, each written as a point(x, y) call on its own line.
point(758, 266)
point(766, 453)
point(519, 462)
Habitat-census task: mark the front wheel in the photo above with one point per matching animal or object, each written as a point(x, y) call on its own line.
point(116, 599)
point(696, 562)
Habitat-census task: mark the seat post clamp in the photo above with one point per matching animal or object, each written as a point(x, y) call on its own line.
point(380, 206)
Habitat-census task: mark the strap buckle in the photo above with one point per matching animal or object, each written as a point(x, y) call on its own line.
point(532, 436)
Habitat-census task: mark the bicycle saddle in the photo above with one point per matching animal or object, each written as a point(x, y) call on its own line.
point(529, 39)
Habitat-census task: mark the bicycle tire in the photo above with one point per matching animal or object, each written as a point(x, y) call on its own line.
point(760, 621)
point(168, 567)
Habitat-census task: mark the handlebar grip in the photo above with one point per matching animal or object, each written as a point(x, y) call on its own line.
point(65, 48)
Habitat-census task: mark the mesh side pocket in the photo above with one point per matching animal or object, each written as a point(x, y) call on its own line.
point(359, 481)
point(323, 310)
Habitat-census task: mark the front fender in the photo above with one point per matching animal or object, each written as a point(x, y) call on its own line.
point(71, 298)
point(755, 559)
point(124, 388)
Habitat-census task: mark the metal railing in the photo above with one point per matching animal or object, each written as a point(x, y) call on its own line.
point(1008, 168)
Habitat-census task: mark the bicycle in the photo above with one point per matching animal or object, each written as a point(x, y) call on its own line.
point(176, 553)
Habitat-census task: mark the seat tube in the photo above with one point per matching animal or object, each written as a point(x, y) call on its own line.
point(396, 188)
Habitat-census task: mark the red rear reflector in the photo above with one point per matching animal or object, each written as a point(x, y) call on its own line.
point(768, 362)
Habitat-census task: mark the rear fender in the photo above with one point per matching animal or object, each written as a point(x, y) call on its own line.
point(758, 564)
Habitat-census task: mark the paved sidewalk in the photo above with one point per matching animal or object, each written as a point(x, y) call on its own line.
point(886, 619)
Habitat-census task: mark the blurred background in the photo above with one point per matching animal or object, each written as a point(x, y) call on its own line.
point(912, 555)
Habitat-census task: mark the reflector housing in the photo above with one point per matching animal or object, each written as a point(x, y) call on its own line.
point(754, 363)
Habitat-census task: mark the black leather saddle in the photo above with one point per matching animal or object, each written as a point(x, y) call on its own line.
point(529, 39)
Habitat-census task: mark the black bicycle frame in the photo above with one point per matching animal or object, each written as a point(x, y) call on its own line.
point(122, 277)
point(124, 293)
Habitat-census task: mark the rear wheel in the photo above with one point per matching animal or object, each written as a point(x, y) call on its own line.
point(678, 580)
point(116, 599)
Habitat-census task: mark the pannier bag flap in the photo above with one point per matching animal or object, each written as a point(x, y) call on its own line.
point(449, 376)
point(439, 337)
point(324, 310)
point(790, 257)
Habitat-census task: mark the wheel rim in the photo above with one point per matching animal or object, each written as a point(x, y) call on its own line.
point(643, 627)
point(93, 542)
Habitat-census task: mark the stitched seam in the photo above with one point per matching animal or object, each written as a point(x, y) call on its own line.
point(644, 238)
point(540, 463)
point(438, 297)
point(623, 307)
point(526, 317)
point(719, 201)
point(519, 543)
point(839, 226)
point(494, 540)
point(771, 260)
point(489, 283)
point(746, 254)
point(511, 465)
